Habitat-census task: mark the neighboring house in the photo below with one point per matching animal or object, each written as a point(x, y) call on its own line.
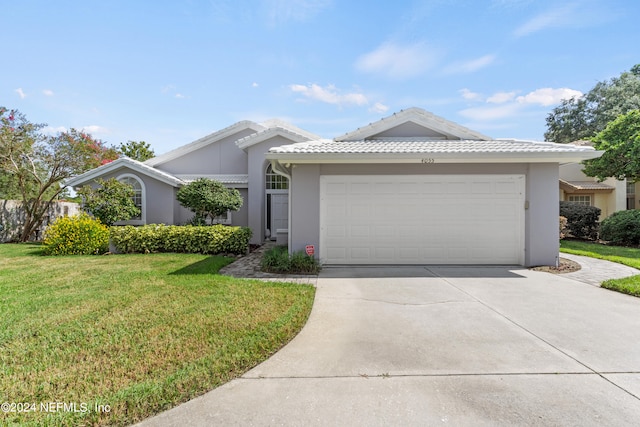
point(610, 195)
point(412, 188)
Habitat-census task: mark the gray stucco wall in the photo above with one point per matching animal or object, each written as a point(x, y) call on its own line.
point(541, 218)
point(157, 196)
point(221, 157)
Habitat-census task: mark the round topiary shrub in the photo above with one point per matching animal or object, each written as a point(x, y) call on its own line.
point(76, 235)
point(622, 228)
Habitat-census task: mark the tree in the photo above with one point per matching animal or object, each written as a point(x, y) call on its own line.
point(620, 141)
point(136, 150)
point(110, 201)
point(38, 164)
point(583, 118)
point(208, 198)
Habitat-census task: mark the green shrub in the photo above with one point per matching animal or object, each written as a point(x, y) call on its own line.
point(215, 239)
point(622, 228)
point(278, 260)
point(76, 235)
point(582, 221)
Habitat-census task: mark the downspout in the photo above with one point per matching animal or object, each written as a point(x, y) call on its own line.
point(285, 170)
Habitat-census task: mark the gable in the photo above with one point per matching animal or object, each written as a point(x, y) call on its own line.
point(411, 120)
point(411, 130)
point(120, 166)
point(231, 133)
point(220, 156)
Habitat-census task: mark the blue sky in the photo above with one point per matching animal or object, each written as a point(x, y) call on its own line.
point(171, 71)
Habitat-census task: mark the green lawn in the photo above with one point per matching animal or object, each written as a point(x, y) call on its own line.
point(619, 254)
point(139, 333)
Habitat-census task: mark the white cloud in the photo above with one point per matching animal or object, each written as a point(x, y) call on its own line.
point(469, 95)
point(50, 130)
point(279, 11)
point(471, 65)
point(577, 14)
point(548, 96)
point(95, 129)
point(551, 18)
point(501, 97)
point(485, 113)
point(254, 84)
point(20, 93)
point(329, 94)
point(179, 96)
point(506, 105)
point(47, 92)
point(378, 108)
point(398, 61)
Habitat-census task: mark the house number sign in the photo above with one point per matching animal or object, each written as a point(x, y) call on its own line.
point(428, 161)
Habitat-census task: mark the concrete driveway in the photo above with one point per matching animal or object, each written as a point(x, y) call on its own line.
point(443, 345)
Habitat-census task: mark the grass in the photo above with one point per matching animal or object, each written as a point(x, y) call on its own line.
point(620, 254)
point(139, 333)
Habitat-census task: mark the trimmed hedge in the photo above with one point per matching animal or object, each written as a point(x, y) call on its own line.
point(582, 221)
point(622, 228)
point(76, 235)
point(214, 239)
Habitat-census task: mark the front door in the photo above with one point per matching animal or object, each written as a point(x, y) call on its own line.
point(278, 212)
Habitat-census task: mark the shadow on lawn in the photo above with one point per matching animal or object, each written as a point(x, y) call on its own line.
point(209, 265)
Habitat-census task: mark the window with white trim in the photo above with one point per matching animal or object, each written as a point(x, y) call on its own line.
point(222, 219)
point(275, 181)
point(580, 199)
point(138, 197)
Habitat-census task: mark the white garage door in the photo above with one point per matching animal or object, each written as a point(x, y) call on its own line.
point(422, 219)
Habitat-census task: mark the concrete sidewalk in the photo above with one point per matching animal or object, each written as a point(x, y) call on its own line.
point(443, 345)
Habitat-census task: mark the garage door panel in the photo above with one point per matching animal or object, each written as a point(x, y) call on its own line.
point(482, 187)
point(360, 255)
point(336, 231)
point(422, 219)
point(334, 188)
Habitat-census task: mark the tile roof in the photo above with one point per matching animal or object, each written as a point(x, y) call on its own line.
point(426, 146)
point(586, 185)
point(124, 162)
point(224, 178)
point(265, 134)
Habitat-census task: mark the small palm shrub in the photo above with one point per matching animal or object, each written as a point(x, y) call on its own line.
point(622, 228)
point(76, 235)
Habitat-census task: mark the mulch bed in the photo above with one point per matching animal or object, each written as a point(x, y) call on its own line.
point(566, 266)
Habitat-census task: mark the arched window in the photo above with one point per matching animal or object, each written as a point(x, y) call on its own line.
point(138, 197)
point(275, 181)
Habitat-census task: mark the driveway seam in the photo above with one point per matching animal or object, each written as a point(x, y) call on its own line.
point(531, 333)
